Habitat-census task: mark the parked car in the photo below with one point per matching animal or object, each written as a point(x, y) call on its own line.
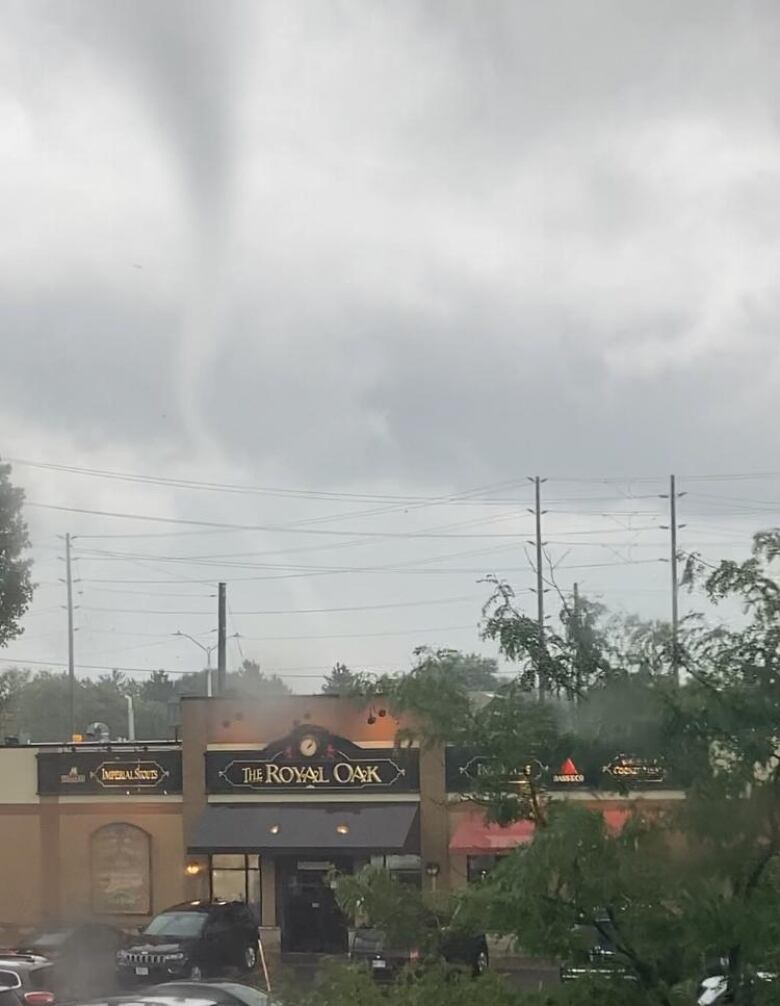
point(83, 955)
point(714, 989)
point(220, 992)
point(602, 964)
point(196, 940)
point(158, 998)
point(464, 951)
point(25, 980)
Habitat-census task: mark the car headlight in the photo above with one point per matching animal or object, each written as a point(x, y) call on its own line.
point(122, 955)
point(175, 957)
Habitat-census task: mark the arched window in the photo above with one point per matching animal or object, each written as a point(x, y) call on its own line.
point(121, 870)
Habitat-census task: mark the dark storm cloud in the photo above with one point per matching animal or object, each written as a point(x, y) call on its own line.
point(409, 240)
point(470, 400)
point(95, 365)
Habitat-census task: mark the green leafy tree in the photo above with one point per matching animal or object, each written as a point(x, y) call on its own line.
point(157, 687)
point(344, 681)
point(471, 671)
point(700, 881)
point(16, 587)
point(12, 682)
point(249, 680)
point(642, 647)
point(565, 661)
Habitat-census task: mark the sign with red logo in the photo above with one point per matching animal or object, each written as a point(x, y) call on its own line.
point(569, 774)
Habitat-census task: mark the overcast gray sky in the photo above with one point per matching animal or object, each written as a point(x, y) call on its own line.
point(390, 250)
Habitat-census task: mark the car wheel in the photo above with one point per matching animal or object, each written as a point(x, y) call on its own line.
point(250, 957)
point(481, 963)
point(196, 973)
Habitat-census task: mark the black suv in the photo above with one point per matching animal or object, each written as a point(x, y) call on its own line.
point(459, 950)
point(195, 940)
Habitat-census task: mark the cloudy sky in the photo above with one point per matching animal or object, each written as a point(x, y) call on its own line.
point(363, 267)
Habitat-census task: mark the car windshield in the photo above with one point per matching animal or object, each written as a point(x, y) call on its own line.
point(246, 994)
point(176, 924)
point(224, 993)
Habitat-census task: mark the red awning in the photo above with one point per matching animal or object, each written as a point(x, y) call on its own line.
point(615, 818)
point(475, 837)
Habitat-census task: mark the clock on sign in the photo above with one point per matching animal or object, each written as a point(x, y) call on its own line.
point(308, 746)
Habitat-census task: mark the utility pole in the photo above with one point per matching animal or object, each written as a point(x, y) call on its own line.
point(673, 527)
point(71, 665)
point(576, 626)
point(537, 511)
point(221, 639)
point(675, 585)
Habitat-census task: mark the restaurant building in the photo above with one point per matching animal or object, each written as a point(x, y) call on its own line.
point(257, 801)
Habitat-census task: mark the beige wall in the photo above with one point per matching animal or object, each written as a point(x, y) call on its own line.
point(18, 775)
point(20, 866)
point(77, 823)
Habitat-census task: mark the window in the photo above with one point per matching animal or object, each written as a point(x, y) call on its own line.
point(121, 870)
point(236, 878)
point(478, 867)
point(9, 980)
point(406, 869)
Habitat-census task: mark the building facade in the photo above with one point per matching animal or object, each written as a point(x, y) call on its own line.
point(256, 801)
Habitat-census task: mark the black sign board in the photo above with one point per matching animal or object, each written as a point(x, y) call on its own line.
point(108, 773)
point(633, 772)
point(463, 769)
point(585, 770)
point(311, 760)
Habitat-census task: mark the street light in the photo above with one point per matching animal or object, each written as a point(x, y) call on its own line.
point(208, 650)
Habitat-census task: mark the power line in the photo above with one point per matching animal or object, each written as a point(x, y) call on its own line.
point(472, 626)
point(274, 528)
point(479, 571)
point(25, 662)
point(158, 593)
point(281, 671)
point(227, 487)
point(152, 635)
point(97, 553)
point(299, 611)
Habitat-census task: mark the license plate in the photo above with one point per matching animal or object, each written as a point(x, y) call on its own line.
point(378, 964)
point(142, 971)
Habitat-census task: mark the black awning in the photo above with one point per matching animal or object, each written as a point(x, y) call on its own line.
point(380, 827)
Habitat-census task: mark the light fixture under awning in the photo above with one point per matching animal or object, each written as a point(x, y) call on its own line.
point(377, 827)
point(474, 836)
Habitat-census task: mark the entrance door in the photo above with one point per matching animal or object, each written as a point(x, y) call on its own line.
point(311, 921)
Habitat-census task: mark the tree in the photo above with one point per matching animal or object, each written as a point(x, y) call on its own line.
point(343, 681)
point(16, 588)
point(695, 880)
point(473, 672)
point(249, 680)
point(585, 651)
point(158, 687)
point(643, 647)
point(560, 662)
point(12, 682)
